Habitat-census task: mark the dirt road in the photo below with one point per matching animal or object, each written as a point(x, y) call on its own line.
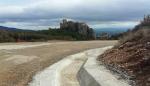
point(20, 61)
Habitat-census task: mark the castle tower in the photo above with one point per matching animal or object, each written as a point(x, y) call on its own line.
point(64, 21)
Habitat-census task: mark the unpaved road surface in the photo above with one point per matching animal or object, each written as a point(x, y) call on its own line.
point(62, 73)
point(65, 71)
point(19, 62)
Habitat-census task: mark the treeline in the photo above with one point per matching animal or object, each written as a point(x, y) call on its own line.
point(41, 35)
point(18, 36)
point(45, 35)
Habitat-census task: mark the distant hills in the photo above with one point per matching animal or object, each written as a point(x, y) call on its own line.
point(8, 28)
point(110, 31)
point(68, 30)
point(14, 29)
point(98, 31)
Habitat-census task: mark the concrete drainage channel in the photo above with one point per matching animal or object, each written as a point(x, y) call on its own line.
point(93, 73)
point(79, 69)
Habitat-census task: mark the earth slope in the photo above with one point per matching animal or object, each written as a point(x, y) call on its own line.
point(131, 57)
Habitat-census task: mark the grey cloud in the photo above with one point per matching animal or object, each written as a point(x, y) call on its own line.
point(87, 11)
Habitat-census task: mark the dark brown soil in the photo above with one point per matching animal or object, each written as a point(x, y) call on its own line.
point(132, 58)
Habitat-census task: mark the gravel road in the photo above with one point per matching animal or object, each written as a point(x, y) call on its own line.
point(19, 62)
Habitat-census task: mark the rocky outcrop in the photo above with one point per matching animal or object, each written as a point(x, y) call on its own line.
point(80, 28)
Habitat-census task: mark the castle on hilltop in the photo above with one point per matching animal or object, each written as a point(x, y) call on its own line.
point(77, 27)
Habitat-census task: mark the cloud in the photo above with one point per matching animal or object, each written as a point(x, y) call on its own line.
point(122, 24)
point(49, 12)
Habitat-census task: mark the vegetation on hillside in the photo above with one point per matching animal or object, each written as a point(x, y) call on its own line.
point(131, 56)
point(68, 31)
point(42, 35)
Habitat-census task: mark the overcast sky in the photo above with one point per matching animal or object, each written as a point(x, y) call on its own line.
point(41, 14)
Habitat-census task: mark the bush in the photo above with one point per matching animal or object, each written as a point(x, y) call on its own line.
point(142, 35)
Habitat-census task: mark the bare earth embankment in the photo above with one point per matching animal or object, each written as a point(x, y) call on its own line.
point(20, 61)
point(131, 57)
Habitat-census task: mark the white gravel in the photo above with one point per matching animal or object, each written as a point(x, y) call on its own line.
point(21, 46)
point(51, 75)
point(20, 59)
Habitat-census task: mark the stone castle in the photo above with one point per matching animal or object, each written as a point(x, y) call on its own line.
point(80, 28)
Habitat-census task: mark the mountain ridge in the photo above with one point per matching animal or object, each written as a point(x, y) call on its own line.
point(8, 28)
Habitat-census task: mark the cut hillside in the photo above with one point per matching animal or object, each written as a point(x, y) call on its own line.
point(131, 57)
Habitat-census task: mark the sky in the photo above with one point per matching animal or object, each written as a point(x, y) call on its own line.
point(42, 14)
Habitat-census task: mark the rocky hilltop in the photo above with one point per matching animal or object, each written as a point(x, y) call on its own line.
point(77, 27)
point(131, 57)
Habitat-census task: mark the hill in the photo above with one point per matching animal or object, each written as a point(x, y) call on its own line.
point(7, 28)
point(76, 31)
point(131, 57)
point(79, 28)
point(110, 31)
